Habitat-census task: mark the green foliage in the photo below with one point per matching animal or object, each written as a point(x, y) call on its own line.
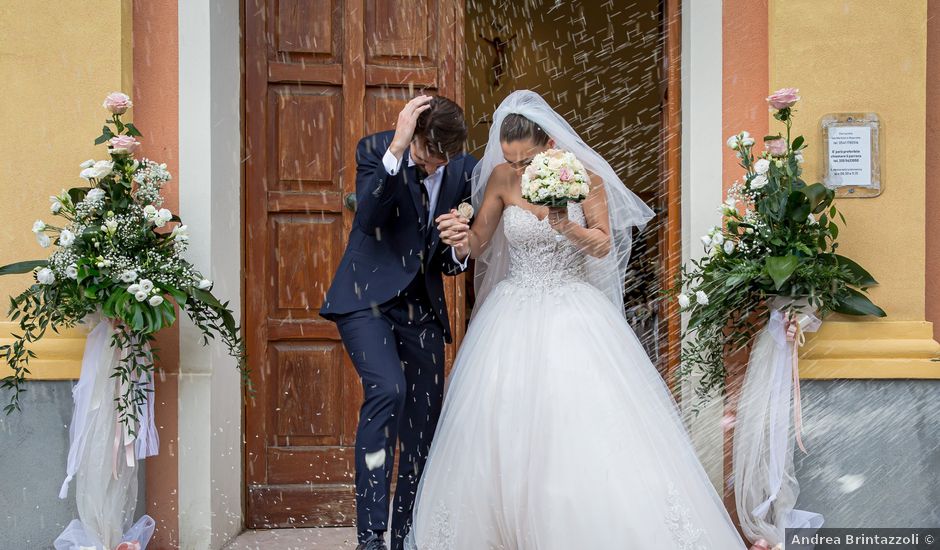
point(783, 244)
point(121, 255)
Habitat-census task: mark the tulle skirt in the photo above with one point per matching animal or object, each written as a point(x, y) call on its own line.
point(559, 433)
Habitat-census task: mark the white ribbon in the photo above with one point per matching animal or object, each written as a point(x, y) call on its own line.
point(107, 489)
point(764, 482)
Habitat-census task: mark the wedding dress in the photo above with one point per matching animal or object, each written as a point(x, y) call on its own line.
point(557, 431)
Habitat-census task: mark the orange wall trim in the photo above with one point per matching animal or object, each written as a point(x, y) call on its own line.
point(156, 113)
point(745, 76)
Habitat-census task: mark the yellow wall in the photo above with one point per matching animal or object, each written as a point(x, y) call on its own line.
point(58, 60)
point(866, 56)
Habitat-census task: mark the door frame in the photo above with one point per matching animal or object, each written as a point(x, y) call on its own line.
point(670, 232)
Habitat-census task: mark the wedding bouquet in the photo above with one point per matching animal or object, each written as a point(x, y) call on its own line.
point(555, 178)
point(119, 252)
point(783, 244)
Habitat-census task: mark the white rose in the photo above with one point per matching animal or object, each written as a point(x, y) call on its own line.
point(729, 247)
point(156, 300)
point(134, 289)
point(180, 233)
point(94, 194)
point(799, 158)
point(39, 226)
point(43, 240)
point(99, 170)
point(165, 214)
point(718, 238)
point(146, 285)
point(66, 238)
point(204, 284)
point(732, 142)
point(72, 271)
point(150, 211)
point(129, 276)
point(87, 164)
point(111, 225)
point(701, 297)
point(759, 181)
point(140, 295)
point(45, 276)
point(683, 301)
point(761, 166)
point(706, 240)
point(56, 204)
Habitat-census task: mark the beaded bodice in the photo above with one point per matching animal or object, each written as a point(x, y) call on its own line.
point(537, 257)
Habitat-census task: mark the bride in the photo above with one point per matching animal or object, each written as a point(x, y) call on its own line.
point(557, 431)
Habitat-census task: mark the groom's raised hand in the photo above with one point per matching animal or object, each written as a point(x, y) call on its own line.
point(405, 128)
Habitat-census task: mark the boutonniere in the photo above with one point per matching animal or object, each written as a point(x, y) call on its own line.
point(465, 210)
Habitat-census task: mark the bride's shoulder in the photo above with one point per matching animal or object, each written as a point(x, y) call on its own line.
point(501, 178)
point(502, 172)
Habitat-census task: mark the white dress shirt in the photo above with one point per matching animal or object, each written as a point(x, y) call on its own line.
point(432, 183)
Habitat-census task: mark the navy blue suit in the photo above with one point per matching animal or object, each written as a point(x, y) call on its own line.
point(387, 299)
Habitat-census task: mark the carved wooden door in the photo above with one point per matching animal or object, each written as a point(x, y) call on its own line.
point(319, 75)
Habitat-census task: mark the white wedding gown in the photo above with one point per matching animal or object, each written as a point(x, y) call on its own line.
point(557, 431)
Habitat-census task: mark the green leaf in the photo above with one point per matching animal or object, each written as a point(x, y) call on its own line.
point(77, 194)
point(769, 138)
point(132, 130)
point(860, 277)
point(780, 268)
point(735, 279)
point(857, 303)
point(797, 143)
point(205, 297)
point(22, 267)
point(817, 194)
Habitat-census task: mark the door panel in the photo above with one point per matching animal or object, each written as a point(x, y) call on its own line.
point(319, 75)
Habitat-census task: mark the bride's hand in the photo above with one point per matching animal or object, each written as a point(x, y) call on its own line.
point(558, 217)
point(453, 227)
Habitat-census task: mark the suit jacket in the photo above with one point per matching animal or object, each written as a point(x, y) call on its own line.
point(387, 245)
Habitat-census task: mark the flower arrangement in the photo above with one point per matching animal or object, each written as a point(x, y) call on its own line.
point(119, 252)
point(554, 178)
point(782, 244)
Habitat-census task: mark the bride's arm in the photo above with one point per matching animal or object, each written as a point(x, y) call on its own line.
point(485, 221)
point(594, 239)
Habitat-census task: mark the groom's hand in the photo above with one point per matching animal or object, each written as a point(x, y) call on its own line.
point(407, 119)
point(455, 230)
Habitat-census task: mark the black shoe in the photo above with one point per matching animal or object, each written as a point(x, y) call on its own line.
point(375, 542)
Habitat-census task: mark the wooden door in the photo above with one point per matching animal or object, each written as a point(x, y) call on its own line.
point(319, 75)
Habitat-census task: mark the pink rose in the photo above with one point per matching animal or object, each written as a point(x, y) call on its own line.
point(565, 174)
point(118, 103)
point(127, 143)
point(776, 147)
point(783, 98)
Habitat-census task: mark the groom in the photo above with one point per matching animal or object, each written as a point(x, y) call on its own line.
point(387, 300)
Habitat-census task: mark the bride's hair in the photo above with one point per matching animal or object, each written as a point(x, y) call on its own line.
point(516, 127)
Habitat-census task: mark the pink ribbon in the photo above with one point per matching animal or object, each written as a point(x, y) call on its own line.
point(798, 338)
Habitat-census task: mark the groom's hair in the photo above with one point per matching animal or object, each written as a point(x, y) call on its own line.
point(443, 128)
point(516, 127)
